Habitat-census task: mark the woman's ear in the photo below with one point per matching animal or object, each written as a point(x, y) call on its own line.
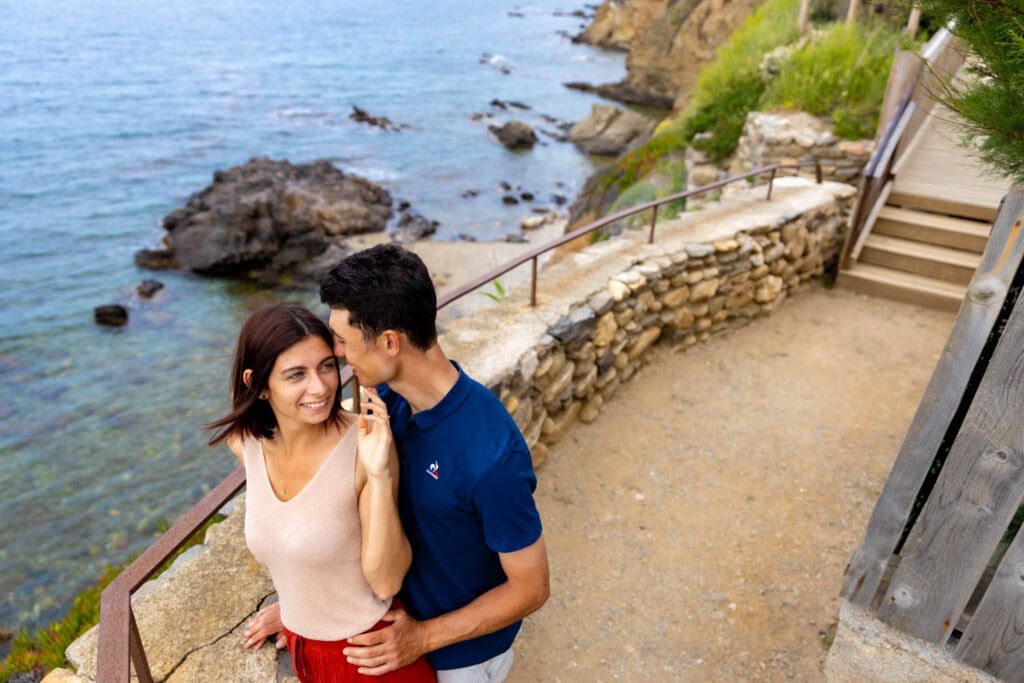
point(247, 378)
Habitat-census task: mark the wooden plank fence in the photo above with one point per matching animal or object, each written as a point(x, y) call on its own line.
point(936, 532)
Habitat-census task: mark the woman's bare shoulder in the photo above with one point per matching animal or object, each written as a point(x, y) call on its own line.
point(234, 443)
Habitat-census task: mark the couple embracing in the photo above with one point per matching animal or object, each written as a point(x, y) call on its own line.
point(403, 541)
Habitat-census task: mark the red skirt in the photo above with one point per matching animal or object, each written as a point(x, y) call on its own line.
point(322, 661)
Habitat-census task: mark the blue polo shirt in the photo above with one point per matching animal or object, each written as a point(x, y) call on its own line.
point(465, 494)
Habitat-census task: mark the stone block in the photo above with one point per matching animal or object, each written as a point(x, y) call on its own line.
point(601, 302)
point(618, 290)
point(768, 290)
point(697, 250)
point(683, 318)
point(556, 427)
point(576, 325)
point(585, 383)
point(676, 297)
point(591, 409)
point(562, 380)
point(219, 580)
point(539, 455)
point(643, 342)
point(703, 290)
point(699, 310)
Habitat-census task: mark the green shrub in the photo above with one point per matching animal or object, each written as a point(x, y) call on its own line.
point(43, 650)
point(730, 87)
point(841, 74)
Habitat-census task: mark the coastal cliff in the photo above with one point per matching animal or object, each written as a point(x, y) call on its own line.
point(669, 42)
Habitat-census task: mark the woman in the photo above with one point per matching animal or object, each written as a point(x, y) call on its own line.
point(321, 490)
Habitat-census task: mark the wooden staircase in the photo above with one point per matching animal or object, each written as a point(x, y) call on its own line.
point(928, 238)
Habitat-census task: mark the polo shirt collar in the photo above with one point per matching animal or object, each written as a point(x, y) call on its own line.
point(425, 419)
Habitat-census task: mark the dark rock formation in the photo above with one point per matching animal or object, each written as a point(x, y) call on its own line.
point(113, 315)
point(412, 226)
point(156, 259)
point(362, 116)
point(266, 218)
point(624, 92)
point(515, 135)
point(147, 288)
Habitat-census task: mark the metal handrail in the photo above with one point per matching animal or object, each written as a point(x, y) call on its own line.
point(877, 173)
point(939, 53)
point(120, 643)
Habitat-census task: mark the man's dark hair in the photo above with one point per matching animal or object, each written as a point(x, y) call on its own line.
point(385, 287)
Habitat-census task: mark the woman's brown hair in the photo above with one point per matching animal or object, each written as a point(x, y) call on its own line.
point(264, 336)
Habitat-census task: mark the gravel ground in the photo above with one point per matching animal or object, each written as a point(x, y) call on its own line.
point(699, 529)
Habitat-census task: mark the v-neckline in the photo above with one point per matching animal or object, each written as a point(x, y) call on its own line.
point(330, 454)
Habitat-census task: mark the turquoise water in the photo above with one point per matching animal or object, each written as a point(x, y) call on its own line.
point(113, 113)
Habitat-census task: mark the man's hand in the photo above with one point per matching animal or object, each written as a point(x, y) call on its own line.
point(389, 648)
point(266, 623)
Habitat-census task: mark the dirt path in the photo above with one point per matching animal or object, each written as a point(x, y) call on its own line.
point(699, 529)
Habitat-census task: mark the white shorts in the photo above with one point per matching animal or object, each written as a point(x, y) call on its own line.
point(494, 670)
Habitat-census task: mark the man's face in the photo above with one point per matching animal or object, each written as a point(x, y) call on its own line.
point(368, 360)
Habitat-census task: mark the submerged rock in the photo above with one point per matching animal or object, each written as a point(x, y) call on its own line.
point(264, 219)
point(515, 134)
point(112, 315)
point(147, 288)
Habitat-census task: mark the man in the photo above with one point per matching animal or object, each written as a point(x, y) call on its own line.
point(466, 478)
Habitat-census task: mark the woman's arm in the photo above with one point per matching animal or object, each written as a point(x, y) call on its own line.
point(386, 554)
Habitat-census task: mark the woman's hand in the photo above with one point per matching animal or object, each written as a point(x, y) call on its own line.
point(374, 434)
point(265, 624)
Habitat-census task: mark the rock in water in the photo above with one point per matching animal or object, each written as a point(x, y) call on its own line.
point(266, 218)
point(113, 315)
point(610, 130)
point(515, 134)
point(147, 288)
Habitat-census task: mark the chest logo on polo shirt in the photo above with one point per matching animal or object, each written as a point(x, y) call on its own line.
point(432, 470)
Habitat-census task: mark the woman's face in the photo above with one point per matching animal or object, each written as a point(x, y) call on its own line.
point(303, 383)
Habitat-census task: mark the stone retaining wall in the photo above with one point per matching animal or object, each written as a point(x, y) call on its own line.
point(566, 359)
point(777, 137)
point(599, 310)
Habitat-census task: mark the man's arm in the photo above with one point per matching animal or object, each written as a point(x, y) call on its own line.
point(526, 589)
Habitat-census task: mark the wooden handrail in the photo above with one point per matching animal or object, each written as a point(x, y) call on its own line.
point(119, 638)
point(915, 105)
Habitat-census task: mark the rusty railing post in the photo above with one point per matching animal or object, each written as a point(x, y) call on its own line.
point(771, 182)
point(533, 282)
point(817, 171)
point(654, 219)
point(138, 653)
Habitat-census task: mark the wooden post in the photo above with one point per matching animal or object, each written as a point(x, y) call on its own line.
point(979, 487)
point(803, 22)
point(940, 403)
point(851, 13)
point(913, 22)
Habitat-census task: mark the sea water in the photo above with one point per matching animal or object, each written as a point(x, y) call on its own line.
point(112, 112)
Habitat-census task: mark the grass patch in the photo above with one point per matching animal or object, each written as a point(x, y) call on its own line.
point(837, 75)
point(731, 86)
point(43, 650)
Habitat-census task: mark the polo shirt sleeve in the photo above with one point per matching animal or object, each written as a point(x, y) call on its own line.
point(504, 500)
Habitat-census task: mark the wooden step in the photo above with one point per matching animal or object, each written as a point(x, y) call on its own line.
point(940, 263)
point(933, 228)
point(898, 285)
point(931, 201)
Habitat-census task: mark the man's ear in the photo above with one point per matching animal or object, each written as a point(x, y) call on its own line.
point(391, 341)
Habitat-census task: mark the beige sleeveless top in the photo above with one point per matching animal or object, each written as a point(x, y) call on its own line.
point(311, 545)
